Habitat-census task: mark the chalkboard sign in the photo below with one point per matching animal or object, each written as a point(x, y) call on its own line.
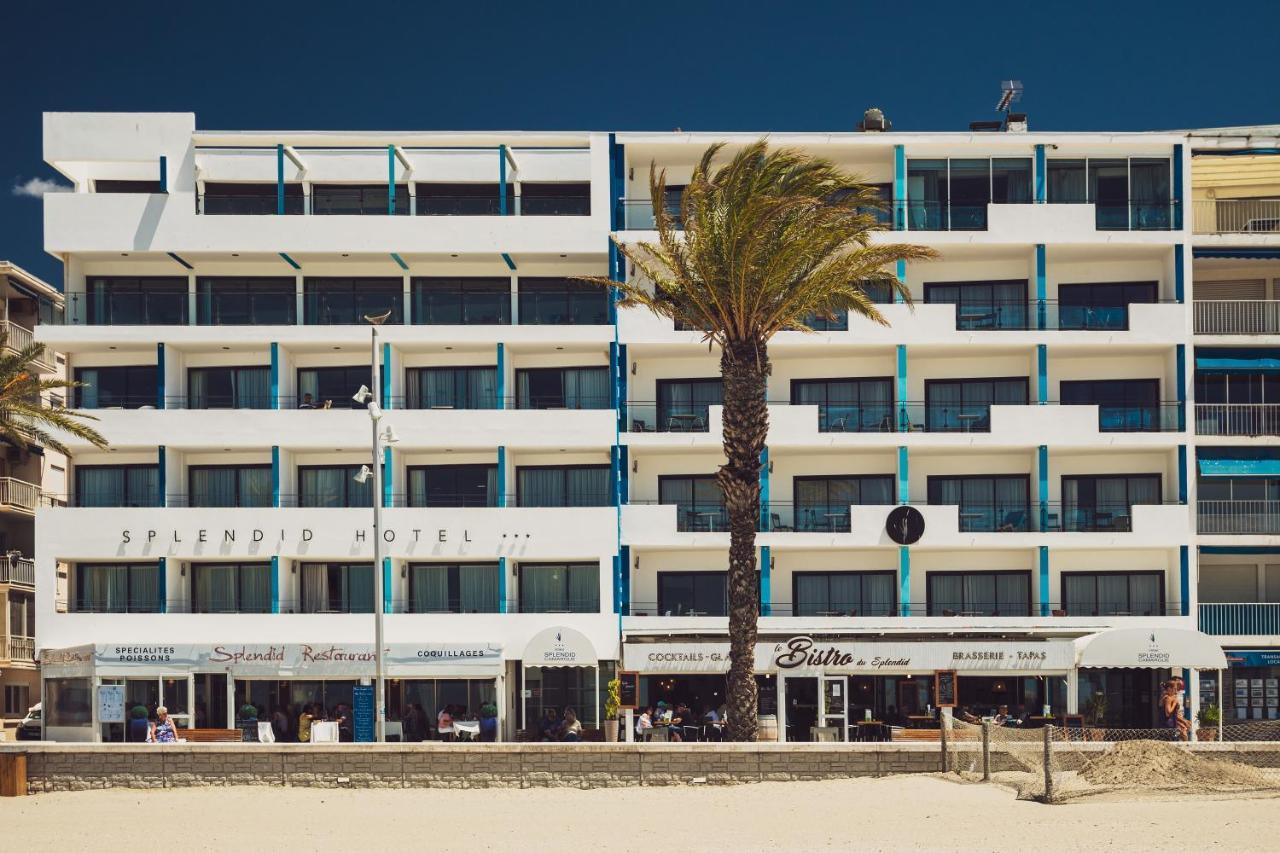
point(629, 690)
point(362, 713)
point(944, 688)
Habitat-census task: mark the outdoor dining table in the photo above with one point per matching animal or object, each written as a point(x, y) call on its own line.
point(683, 422)
point(872, 731)
point(470, 728)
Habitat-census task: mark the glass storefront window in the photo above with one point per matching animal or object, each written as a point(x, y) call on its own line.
point(68, 702)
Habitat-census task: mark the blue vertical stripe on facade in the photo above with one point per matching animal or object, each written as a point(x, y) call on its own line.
point(1179, 275)
point(1178, 201)
point(502, 475)
point(164, 174)
point(275, 475)
point(162, 585)
point(624, 579)
point(502, 180)
point(1181, 355)
point(386, 585)
point(1042, 373)
point(1042, 287)
point(764, 488)
point(899, 188)
point(502, 376)
point(502, 584)
point(274, 582)
point(387, 402)
point(904, 480)
point(391, 180)
point(1042, 493)
point(904, 580)
point(275, 375)
point(280, 180)
point(1182, 473)
point(1044, 580)
point(902, 388)
point(902, 277)
point(1042, 177)
point(160, 376)
point(388, 477)
point(161, 478)
point(766, 581)
point(1184, 578)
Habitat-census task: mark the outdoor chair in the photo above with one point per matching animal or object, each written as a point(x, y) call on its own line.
point(775, 523)
point(1012, 521)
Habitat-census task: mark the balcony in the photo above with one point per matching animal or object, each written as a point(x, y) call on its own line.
point(1115, 215)
point(1043, 314)
point(21, 649)
point(1243, 419)
point(1237, 317)
point(19, 495)
point(18, 570)
point(1237, 517)
point(1009, 615)
point(1240, 619)
point(1237, 216)
point(20, 337)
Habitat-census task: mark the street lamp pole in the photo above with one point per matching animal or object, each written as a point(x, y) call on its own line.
point(379, 590)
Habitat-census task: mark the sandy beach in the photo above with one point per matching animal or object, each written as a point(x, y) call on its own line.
point(894, 813)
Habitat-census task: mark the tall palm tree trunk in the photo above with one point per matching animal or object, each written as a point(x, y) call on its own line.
point(745, 368)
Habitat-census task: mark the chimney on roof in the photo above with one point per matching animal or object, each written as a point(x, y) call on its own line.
point(1015, 123)
point(873, 121)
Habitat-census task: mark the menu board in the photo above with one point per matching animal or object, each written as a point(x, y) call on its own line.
point(362, 713)
point(628, 690)
point(111, 703)
point(945, 686)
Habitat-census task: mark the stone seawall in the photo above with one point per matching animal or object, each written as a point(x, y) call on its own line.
point(79, 767)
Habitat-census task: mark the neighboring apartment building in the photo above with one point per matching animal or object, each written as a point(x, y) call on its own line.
point(1236, 290)
point(550, 510)
point(27, 473)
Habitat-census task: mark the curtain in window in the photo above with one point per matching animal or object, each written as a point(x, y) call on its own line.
point(1013, 594)
point(1144, 594)
point(587, 388)
point(359, 588)
point(524, 397)
point(1011, 180)
point(875, 398)
point(945, 490)
point(584, 589)
point(104, 589)
point(252, 387)
point(846, 593)
point(542, 589)
point(811, 595)
point(482, 387)
point(144, 588)
point(944, 406)
point(1066, 182)
point(308, 383)
point(213, 487)
point(478, 588)
point(1149, 189)
point(100, 486)
point(1081, 592)
point(255, 588)
point(542, 486)
point(491, 486)
point(322, 487)
point(1111, 495)
point(315, 587)
point(588, 486)
point(980, 593)
point(1113, 594)
point(431, 589)
point(1144, 490)
point(875, 491)
point(255, 487)
point(878, 595)
point(946, 593)
point(215, 588)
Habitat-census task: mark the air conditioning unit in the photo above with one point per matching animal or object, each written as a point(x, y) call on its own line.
point(873, 121)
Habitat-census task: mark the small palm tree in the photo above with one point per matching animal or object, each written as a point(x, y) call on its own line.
point(25, 419)
point(763, 243)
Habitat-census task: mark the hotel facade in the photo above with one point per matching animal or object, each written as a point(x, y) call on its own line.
point(549, 511)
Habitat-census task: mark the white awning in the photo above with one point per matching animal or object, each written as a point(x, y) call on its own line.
point(560, 647)
point(1150, 648)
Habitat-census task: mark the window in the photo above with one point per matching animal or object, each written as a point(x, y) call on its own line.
point(684, 404)
point(337, 587)
point(1102, 305)
point(17, 699)
point(952, 195)
point(692, 594)
point(964, 405)
point(357, 199)
point(117, 485)
point(562, 302)
point(229, 486)
point(1237, 489)
point(1105, 503)
point(22, 615)
point(245, 301)
point(101, 185)
point(1113, 593)
point(555, 199)
point(342, 301)
point(837, 322)
point(1124, 405)
point(136, 301)
point(844, 593)
point(463, 199)
point(231, 587)
point(559, 588)
point(453, 485)
point(1067, 182)
point(979, 593)
point(822, 503)
point(573, 485)
point(698, 500)
point(452, 387)
point(461, 301)
point(250, 199)
point(117, 587)
point(1129, 194)
point(334, 386)
point(333, 486)
point(1000, 503)
point(454, 588)
point(229, 388)
point(847, 405)
point(563, 388)
point(983, 304)
point(117, 387)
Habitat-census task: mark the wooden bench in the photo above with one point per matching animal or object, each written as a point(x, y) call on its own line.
point(211, 735)
point(932, 735)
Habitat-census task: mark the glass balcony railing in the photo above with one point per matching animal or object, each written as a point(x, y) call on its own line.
point(1238, 517)
point(341, 309)
point(805, 517)
point(564, 308)
point(1032, 314)
point(637, 214)
point(1240, 619)
point(872, 609)
point(136, 308)
point(548, 205)
point(1238, 418)
point(1153, 417)
point(668, 417)
point(264, 204)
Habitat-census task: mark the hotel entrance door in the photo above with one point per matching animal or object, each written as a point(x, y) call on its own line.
point(834, 713)
point(815, 703)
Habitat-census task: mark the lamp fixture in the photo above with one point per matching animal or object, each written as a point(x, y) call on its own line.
point(635, 466)
point(363, 475)
point(633, 368)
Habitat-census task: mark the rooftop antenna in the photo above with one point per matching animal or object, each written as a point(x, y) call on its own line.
point(1010, 94)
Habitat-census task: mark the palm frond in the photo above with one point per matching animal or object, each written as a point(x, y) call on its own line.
point(25, 419)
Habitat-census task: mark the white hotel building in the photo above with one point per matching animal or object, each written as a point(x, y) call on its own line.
point(550, 500)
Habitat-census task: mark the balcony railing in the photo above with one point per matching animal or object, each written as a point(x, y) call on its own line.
point(806, 517)
point(20, 337)
point(1237, 316)
point(22, 648)
point(1238, 418)
point(18, 570)
point(1131, 215)
point(19, 494)
point(1245, 618)
point(1237, 216)
point(1040, 314)
point(675, 417)
point(894, 610)
point(1258, 518)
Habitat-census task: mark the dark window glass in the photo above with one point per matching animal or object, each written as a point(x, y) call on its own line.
point(983, 304)
point(357, 199)
point(1124, 405)
point(554, 486)
point(246, 301)
point(964, 405)
point(1150, 190)
point(1011, 180)
point(822, 503)
point(254, 199)
point(117, 587)
point(118, 485)
point(563, 388)
point(1000, 503)
point(452, 387)
point(230, 587)
point(1102, 305)
point(229, 486)
point(461, 301)
point(844, 594)
point(463, 199)
point(1106, 502)
point(979, 593)
point(110, 186)
point(124, 387)
point(927, 195)
point(342, 301)
point(454, 588)
point(337, 587)
point(970, 194)
point(1109, 191)
point(229, 388)
point(334, 386)
point(561, 199)
point(1113, 593)
point(562, 302)
point(684, 404)
point(134, 301)
point(847, 405)
point(559, 587)
point(453, 485)
point(333, 486)
point(692, 594)
point(1067, 182)
point(698, 500)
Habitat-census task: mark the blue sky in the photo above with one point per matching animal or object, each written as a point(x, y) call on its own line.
point(750, 65)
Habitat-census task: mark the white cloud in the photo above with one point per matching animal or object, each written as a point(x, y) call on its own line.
point(37, 187)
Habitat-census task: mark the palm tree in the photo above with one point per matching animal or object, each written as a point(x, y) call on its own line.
point(763, 243)
point(24, 418)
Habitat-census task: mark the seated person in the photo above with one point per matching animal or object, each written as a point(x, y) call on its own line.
point(644, 724)
point(550, 729)
point(444, 723)
point(571, 728)
point(1001, 716)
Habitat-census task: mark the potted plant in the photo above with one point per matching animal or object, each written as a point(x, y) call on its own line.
point(1210, 716)
point(488, 722)
point(611, 703)
point(1095, 711)
point(137, 725)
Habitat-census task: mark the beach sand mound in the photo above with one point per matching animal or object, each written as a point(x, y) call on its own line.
point(1152, 764)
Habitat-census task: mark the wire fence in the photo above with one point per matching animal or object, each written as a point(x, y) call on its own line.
point(1055, 764)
